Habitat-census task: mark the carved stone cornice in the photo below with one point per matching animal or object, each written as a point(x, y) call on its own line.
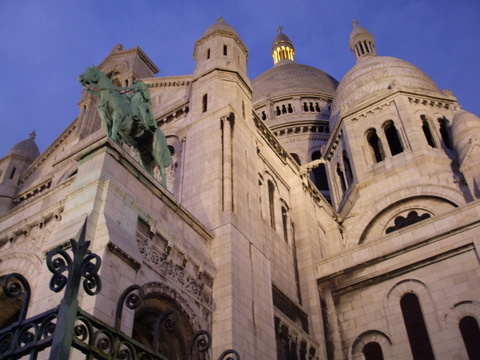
point(366, 112)
point(270, 138)
point(24, 228)
point(172, 115)
point(177, 81)
point(433, 102)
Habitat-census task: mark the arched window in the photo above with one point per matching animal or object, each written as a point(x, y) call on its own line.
point(264, 116)
point(225, 50)
point(416, 328)
point(372, 351)
point(204, 102)
point(471, 336)
point(319, 174)
point(412, 218)
point(375, 145)
point(427, 132)
point(444, 132)
point(393, 140)
point(271, 202)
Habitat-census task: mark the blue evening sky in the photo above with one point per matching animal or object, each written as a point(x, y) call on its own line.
point(46, 44)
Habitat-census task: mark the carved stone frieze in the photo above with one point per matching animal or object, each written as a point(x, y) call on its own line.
point(176, 273)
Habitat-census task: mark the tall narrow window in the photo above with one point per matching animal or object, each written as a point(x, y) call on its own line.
point(393, 140)
point(12, 174)
point(444, 131)
point(341, 178)
point(372, 351)
point(285, 223)
point(225, 50)
point(208, 53)
point(471, 336)
point(348, 168)
point(427, 132)
point(205, 103)
point(375, 145)
point(271, 202)
point(416, 328)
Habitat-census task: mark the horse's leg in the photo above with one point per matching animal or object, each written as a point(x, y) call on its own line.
point(163, 174)
point(115, 127)
point(142, 160)
point(105, 121)
point(161, 154)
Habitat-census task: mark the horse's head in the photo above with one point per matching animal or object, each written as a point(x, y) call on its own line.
point(91, 76)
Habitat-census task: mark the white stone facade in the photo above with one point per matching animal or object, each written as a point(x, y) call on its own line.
point(243, 243)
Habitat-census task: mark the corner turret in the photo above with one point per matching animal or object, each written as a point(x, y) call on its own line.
point(12, 167)
point(220, 47)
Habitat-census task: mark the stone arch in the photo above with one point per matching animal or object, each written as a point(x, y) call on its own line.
point(159, 300)
point(460, 310)
point(422, 205)
point(393, 310)
point(362, 222)
point(21, 264)
point(376, 336)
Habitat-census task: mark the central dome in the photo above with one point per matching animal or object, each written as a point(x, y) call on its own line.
point(288, 78)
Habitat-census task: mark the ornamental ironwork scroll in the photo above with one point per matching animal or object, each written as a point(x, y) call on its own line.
point(67, 326)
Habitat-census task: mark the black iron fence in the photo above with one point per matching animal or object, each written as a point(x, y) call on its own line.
point(68, 327)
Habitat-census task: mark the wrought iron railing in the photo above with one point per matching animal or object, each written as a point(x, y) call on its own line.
point(67, 326)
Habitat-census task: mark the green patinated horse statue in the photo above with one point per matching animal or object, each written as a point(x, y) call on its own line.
point(129, 119)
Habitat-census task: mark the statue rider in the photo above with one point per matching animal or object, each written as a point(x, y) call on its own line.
point(141, 106)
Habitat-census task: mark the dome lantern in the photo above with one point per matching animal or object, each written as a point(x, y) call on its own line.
point(282, 48)
point(362, 43)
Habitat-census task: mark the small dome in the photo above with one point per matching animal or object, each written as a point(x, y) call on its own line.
point(291, 78)
point(283, 50)
point(362, 43)
point(221, 26)
point(27, 149)
point(281, 38)
point(465, 128)
point(358, 31)
point(374, 75)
